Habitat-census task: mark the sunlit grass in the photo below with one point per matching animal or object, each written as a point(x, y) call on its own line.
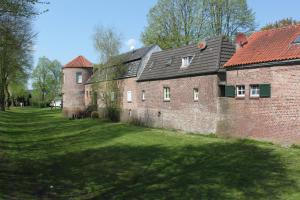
point(44, 156)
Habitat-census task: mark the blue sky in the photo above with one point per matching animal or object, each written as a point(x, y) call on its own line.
point(66, 30)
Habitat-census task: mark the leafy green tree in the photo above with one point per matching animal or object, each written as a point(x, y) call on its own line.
point(46, 80)
point(16, 40)
point(227, 17)
point(281, 23)
point(21, 8)
point(173, 23)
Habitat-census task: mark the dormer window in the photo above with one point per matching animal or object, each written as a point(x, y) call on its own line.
point(169, 62)
point(186, 61)
point(297, 40)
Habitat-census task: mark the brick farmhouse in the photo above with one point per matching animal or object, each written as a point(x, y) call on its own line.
point(250, 89)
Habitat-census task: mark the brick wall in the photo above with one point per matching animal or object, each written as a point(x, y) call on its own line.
point(181, 112)
point(275, 119)
point(73, 93)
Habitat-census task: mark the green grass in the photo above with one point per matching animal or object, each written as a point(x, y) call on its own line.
point(44, 156)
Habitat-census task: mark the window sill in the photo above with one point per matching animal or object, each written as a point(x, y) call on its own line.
point(240, 98)
point(166, 100)
point(254, 97)
point(129, 101)
point(196, 100)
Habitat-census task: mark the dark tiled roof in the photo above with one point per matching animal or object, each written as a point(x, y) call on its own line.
point(134, 54)
point(132, 61)
point(79, 62)
point(268, 46)
point(209, 60)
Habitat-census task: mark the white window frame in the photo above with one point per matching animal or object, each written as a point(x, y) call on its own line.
point(143, 95)
point(112, 96)
point(186, 61)
point(167, 93)
point(196, 94)
point(254, 90)
point(240, 90)
point(129, 96)
point(79, 78)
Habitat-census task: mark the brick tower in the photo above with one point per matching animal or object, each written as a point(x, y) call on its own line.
point(75, 75)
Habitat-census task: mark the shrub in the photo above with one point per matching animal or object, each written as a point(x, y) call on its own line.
point(113, 114)
point(90, 109)
point(95, 115)
point(136, 122)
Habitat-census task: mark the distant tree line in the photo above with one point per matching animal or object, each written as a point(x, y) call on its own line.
point(281, 23)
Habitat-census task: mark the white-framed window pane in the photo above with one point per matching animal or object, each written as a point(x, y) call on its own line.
point(78, 77)
point(254, 90)
point(196, 94)
point(186, 61)
point(240, 90)
point(112, 96)
point(143, 95)
point(167, 93)
point(129, 96)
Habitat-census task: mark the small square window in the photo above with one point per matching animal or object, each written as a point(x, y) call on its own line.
point(143, 95)
point(167, 96)
point(78, 77)
point(196, 94)
point(254, 91)
point(186, 61)
point(129, 96)
point(240, 91)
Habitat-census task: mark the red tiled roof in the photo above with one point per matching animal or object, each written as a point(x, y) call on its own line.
point(268, 46)
point(79, 62)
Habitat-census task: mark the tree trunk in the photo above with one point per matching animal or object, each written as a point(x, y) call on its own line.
point(2, 96)
point(7, 96)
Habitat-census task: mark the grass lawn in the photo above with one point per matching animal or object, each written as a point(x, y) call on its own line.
point(44, 156)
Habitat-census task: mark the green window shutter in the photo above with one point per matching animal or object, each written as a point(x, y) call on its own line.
point(265, 90)
point(229, 91)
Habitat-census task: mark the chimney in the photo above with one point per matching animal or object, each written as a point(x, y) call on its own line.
point(240, 40)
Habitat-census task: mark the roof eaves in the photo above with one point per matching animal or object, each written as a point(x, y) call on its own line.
point(262, 64)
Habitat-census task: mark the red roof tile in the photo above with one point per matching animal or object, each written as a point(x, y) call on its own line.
point(79, 62)
point(268, 46)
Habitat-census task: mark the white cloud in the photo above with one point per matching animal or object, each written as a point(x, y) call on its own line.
point(131, 43)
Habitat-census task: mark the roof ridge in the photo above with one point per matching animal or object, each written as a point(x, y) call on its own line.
point(79, 62)
point(279, 28)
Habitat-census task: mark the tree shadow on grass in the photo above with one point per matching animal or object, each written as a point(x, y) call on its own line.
point(237, 170)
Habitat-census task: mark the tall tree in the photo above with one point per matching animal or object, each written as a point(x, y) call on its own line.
point(227, 17)
point(281, 23)
point(21, 8)
point(16, 39)
point(107, 42)
point(55, 70)
point(15, 51)
point(47, 80)
point(173, 23)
